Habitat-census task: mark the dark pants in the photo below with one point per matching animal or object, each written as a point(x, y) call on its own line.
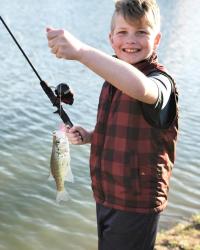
point(118, 230)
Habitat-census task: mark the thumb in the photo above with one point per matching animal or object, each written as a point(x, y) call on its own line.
point(74, 129)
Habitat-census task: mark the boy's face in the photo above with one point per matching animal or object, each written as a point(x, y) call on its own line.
point(133, 42)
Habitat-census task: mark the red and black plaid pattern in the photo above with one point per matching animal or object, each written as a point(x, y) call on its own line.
point(131, 161)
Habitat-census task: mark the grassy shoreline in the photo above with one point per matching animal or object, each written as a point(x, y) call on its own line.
point(183, 236)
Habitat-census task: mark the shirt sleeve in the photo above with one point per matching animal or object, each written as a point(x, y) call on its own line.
point(158, 113)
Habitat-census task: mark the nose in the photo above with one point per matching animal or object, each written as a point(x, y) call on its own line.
point(131, 39)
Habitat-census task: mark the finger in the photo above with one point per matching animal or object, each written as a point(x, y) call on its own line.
point(71, 136)
point(52, 42)
point(53, 33)
point(58, 54)
point(75, 135)
point(74, 129)
point(73, 141)
point(54, 50)
point(48, 29)
point(50, 32)
point(74, 138)
point(67, 128)
point(77, 141)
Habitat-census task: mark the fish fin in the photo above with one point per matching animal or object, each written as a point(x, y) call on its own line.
point(69, 176)
point(62, 196)
point(50, 178)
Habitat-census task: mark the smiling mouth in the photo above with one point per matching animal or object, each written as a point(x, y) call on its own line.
point(131, 50)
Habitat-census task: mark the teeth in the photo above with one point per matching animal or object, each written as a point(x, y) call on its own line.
point(131, 50)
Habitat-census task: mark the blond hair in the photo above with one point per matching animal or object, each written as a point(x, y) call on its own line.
point(135, 10)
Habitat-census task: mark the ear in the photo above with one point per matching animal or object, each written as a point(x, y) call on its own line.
point(157, 40)
point(111, 39)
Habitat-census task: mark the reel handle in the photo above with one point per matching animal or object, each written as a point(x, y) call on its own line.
point(65, 94)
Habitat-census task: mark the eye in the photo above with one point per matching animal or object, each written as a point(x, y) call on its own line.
point(121, 32)
point(142, 32)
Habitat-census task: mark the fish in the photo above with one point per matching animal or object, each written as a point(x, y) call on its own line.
point(60, 169)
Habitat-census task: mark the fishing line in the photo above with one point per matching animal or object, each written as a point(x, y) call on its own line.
point(24, 54)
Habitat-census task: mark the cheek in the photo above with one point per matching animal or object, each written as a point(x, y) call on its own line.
point(148, 44)
point(116, 44)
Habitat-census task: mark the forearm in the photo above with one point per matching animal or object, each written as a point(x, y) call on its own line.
point(119, 73)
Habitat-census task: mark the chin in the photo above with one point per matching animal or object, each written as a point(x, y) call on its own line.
point(131, 60)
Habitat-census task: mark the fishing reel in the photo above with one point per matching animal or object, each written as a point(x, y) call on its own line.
point(64, 93)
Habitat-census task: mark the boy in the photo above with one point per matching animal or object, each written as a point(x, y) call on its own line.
point(133, 143)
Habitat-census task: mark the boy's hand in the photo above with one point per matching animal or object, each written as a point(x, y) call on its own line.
point(63, 44)
point(78, 135)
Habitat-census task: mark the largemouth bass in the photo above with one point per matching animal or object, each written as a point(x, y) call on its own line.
point(60, 164)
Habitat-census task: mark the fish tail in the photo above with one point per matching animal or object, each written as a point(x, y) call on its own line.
point(62, 196)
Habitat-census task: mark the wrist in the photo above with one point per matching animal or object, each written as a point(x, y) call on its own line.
point(89, 137)
point(83, 51)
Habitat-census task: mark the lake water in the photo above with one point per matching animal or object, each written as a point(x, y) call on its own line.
point(29, 216)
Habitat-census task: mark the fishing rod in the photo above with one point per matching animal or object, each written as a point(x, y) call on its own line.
point(63, 92)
